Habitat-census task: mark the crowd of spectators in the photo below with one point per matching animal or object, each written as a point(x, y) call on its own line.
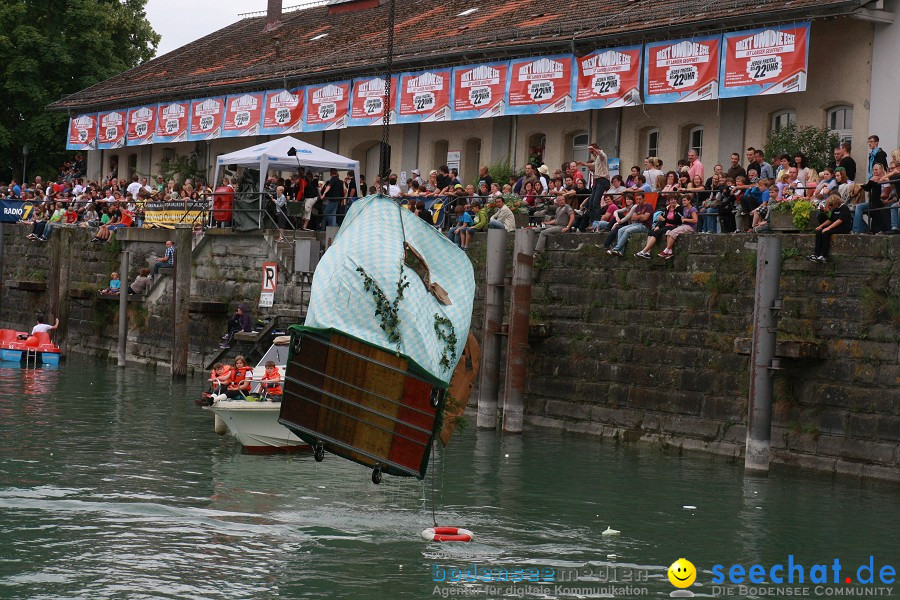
point(664, 203)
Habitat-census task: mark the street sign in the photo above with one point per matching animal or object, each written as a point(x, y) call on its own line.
point(269, 284)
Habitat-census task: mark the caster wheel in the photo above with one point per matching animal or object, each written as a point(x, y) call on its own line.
point(319, 453)
point(376, 476)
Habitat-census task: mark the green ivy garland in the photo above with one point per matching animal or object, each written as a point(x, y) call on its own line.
point(384, 308)
point(445, 332)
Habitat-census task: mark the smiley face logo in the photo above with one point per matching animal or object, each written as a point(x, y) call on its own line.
point(682, 573)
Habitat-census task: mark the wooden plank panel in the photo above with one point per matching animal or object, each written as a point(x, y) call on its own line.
point(337, 420)
point(295, 406)
point(416, 395)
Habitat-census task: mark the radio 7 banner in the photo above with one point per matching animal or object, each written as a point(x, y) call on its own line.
point(773, 60)
point(607, 78)
point(367, 101)
point(82, 132)
point(424, 96)
point(141, 125)
point(682, 70)
point(540, 85)
point(172, 122)
point(283, 112)
point(111, 133)
point(327, 106)
point(15, 211)
point(207, 116)
point(480, 90)
point(243, 113)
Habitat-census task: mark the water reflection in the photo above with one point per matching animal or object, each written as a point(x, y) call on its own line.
point(113, 484)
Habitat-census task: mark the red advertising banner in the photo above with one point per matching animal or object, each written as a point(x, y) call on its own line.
point(540, 85)
point(772, 60)
point(283, 112)
point(82, 132)
point(141, 125)
point(327, 106)
point(480, 90)
point(111, 133)
point(207, 116)
point(424, 96)
point(243, 113)
point(682, 70)
point(367, 101)
point(608, 78)
point(172, 122)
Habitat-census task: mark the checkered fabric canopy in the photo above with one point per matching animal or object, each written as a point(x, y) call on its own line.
point(372, 237)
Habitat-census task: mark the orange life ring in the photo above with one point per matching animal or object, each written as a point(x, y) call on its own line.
point(447, 534)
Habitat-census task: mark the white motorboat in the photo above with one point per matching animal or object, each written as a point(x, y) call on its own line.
point(255, 424)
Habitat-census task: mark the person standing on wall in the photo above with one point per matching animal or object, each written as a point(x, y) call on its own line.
point(332, 193)
point(600, 166)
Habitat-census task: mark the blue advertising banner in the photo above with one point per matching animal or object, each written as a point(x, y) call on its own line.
point(771, 60)
point(15, 210)
point(479, 91)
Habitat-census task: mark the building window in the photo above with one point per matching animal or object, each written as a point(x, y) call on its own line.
point(132, 165)
point(840, 121)
point(782, 119)
point(652, 144)
point(536, 144)
point(168, 154)
point(695, 140)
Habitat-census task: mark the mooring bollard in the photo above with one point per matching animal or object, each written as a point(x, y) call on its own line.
point(762, 354)
point(489, 381)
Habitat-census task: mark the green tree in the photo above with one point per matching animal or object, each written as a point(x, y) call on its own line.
point(51, 48)
point(816, 143)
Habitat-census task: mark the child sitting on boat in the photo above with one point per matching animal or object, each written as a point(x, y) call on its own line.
point(241, 379)
point(272, 382)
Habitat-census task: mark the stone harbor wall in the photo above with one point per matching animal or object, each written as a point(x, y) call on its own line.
point(657, 351)
point(628, 350)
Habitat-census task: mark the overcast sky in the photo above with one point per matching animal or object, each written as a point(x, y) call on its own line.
point(182, 21)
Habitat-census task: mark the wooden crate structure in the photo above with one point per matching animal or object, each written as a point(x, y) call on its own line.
point(360, 402)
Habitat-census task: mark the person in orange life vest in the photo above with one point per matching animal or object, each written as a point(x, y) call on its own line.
point(272, 382)
point(219, 379)
point(241, 379)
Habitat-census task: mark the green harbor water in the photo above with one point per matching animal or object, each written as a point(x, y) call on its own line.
point(114, 485)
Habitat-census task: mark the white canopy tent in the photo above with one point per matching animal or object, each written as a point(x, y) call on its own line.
point(274, 154)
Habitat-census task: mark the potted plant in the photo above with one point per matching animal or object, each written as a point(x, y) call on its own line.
point(791, 215)
point(518, 208)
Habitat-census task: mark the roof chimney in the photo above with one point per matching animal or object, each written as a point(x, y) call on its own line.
point(273, 15)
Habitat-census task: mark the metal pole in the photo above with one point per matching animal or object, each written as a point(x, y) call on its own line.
point(124, 266)
point(489, 381)
point(517, 340)
point(762, 355)
point(182, 295)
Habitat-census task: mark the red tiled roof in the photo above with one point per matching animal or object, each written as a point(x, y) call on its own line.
point(241, 57)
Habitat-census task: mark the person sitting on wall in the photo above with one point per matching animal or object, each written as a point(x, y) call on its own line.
point(141, 283)
point(562, 222)
point(689, 218)
point(164, 261)
point(836, 219)
point(239, 321)
point(669, 219)
point(115, 285)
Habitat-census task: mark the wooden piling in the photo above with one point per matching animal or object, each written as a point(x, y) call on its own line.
point(181, 300)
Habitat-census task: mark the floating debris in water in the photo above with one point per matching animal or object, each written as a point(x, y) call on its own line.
point(610, 531)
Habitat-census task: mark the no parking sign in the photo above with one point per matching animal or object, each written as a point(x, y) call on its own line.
point(269, 283)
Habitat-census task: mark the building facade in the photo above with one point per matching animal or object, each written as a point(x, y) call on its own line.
point(850, 85)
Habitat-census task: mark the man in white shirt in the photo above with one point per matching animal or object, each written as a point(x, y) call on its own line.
point(393, 188)
point(503, 218)
point(134, 187)
point(43, 327)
